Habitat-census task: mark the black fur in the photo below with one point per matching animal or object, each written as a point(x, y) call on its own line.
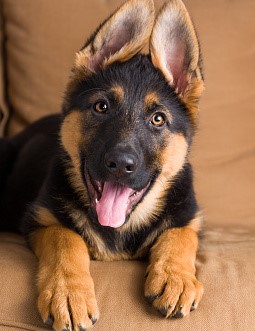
point(138, 76)
point(25, 161)
point(37, 166)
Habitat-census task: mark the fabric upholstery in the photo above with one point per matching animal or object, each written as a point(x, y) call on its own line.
point(39, 39)
point(225, 265)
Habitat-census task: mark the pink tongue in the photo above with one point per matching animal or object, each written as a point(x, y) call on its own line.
point(111, 208)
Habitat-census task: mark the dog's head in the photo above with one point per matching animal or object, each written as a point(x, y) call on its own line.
point(129, 118)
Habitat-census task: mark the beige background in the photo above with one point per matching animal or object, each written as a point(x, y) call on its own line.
point(39, 38)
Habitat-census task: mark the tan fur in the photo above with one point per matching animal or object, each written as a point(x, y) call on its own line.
point(101, 252)
point(197, 222)
point(173, 159)
point(171, 282)
point(142, 12)
point(66, 289)
point(169, 18)
point(64, 282)
point(72, 138)
point(174, 155)
point(143, 250)
point(118, 92)
point(172, 16)
point(98, 250)
point(45, 217)
point(191, 97)
point(151, 98)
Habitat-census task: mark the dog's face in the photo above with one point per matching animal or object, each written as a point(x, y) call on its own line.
point(129, 118)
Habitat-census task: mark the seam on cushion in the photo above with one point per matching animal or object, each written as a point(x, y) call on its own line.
point(22, 326)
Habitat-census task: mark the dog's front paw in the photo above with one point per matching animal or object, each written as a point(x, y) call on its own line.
point(67, 301)
point(172, 290)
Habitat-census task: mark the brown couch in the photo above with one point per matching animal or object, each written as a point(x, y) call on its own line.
point(38, 40)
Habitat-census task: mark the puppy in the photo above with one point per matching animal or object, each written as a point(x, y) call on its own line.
point(110, 178)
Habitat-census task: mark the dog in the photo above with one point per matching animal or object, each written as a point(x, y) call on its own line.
point(110, 177)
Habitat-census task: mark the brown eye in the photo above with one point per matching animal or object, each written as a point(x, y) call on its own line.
point(100, 106)
point(157, 120)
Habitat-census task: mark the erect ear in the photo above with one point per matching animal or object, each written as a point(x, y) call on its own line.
point(120, 37)
point(175, 50)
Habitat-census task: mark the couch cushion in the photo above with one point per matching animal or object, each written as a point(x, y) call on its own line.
point(226, 266)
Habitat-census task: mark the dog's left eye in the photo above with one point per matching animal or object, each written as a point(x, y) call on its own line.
point(157, 119)
point(100, 106)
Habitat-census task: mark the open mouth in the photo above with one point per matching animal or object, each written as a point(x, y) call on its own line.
point(113, 202)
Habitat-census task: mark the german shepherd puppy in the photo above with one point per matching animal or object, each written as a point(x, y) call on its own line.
point(110, 179)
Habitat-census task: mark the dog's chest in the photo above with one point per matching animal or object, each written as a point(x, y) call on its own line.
point(110, 245)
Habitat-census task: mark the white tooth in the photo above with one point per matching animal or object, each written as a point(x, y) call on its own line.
point(96, 200)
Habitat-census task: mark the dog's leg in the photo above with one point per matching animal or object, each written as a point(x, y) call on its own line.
point(66, 289)
point(171, 284)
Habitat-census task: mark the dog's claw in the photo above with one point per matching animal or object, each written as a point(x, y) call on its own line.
point(67, 328)
point(49, 321)
point(163, 310)
point(194, 306)
point(178, 314)
point(93, 320)
point(151, 298)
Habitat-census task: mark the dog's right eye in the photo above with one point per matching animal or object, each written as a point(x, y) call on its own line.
point(100, 106)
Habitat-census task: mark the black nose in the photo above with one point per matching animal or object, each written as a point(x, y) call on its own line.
point(121, 163)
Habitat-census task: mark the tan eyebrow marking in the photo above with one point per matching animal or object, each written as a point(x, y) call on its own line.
point(118, 92)
point(151, 98)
